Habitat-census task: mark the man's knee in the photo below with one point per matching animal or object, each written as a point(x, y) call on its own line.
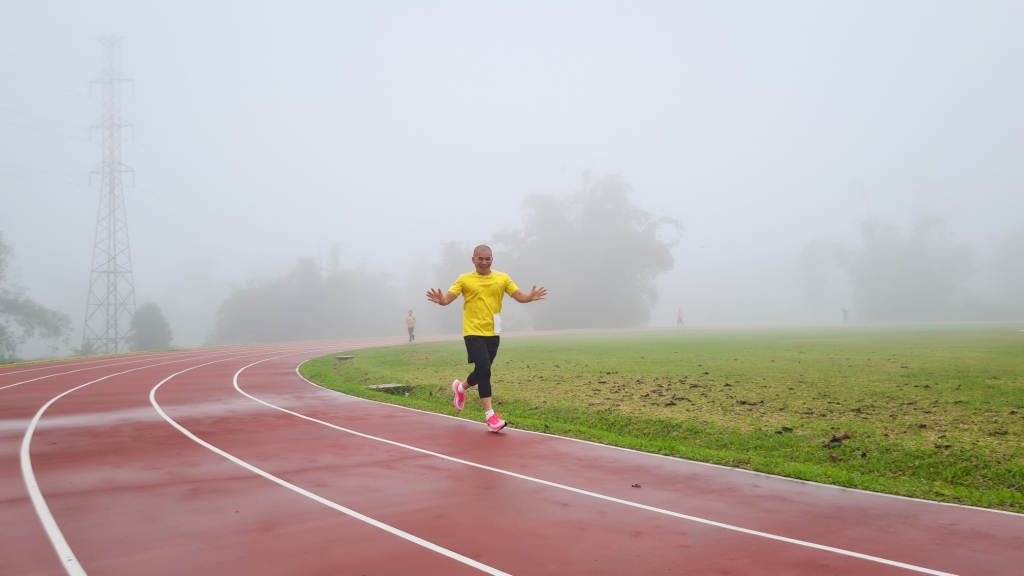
point(483, 372)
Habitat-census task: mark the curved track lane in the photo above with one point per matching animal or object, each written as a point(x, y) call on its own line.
point(225, 461)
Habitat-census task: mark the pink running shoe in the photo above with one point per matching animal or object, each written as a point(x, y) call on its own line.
point(460, 397)
point(495, 423)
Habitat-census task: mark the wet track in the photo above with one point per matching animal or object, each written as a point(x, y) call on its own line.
point(225, 461)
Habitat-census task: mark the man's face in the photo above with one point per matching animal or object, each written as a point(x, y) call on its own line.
point(482, 261)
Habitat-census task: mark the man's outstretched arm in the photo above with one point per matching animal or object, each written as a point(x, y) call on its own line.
point(443, 298)
point(535, 294)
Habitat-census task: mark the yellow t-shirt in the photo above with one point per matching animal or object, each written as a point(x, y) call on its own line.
point(482, 296)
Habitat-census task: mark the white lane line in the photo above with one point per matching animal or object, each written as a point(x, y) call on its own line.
point(53, 532)
point(59, 363)
point(65, 373)
point(133, 361)
point(348, 511)
point(194, 354)
point(603, 496)
point(60, 544)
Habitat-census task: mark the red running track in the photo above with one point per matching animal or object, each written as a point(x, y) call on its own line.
point(225, 461)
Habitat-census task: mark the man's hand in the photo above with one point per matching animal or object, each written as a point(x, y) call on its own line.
point(436, 296)
point(535, 294)
point(538, 293)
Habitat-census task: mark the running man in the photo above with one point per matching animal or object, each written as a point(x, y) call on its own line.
point(482, 291)
point(410, 323)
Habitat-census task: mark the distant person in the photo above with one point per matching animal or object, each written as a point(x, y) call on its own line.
point(410, 323)
point(846, 316)
point(679, 318)
point(482, 292)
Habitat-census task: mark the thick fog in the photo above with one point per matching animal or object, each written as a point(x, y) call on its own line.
point(819, 156)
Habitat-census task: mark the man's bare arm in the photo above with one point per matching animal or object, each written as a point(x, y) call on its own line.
point(443, 298)
point(535, 294)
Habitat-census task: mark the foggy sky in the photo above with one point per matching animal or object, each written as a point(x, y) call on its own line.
point(267, 131)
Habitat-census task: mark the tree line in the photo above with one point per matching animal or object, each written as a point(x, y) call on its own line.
point(581, 246)
point(921, 274)
point(598, 253)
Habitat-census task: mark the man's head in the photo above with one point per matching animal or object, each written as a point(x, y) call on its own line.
point(482, 259)
point(410, 312)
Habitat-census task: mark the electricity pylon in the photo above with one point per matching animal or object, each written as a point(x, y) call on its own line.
point(111, 305)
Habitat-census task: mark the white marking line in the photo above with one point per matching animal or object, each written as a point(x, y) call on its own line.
point(376, 523)
point(63, 363)
point(63, 374)
point(602, 496)
point(190, 355)
point(133, 361)
point(60, 544)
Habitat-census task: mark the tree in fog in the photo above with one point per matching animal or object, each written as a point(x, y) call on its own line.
point(454, 259)
point(898, 277)
point(309, 303)
point(150, 329)
point(21, 318)
point(597, 253)
point(1009, 269)
point(825, 283)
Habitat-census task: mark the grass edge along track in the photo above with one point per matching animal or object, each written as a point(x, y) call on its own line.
point(933, 412)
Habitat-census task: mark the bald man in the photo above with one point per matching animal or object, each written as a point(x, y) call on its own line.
point(483, 291)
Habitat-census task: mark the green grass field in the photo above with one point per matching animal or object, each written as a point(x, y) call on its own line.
point(934, 412)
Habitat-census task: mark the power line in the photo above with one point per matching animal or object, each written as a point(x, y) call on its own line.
point(47, 84)
point(38, 62)
point(75, 126)
point(39, 171)
point(45, 180)
point(43, 130)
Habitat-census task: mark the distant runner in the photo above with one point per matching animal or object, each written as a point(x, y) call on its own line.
point(482, 291)
point(410, 323)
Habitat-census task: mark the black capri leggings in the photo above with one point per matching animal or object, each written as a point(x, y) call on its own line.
point(481, 351)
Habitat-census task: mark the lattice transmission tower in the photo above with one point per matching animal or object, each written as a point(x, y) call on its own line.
point(111, 305)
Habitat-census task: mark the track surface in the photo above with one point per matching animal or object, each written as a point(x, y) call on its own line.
point(225, 461)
